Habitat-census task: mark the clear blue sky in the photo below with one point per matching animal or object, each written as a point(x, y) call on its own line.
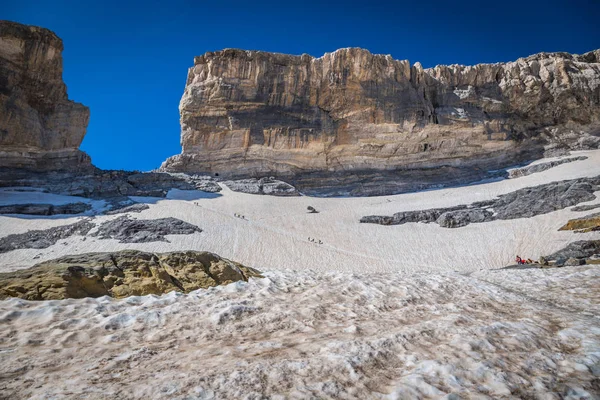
point(128, 61)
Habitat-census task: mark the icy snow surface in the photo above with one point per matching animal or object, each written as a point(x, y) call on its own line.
point(389, 312)
point(315, 335)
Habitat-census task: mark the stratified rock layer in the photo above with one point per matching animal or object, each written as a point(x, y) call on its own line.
point(121, 274)
point(40, 128)
point(252, 113)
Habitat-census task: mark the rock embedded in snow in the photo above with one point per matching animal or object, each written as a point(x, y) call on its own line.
point(588, 223)
point(134, 208)
point(253, 113)
point(41, 239)
point(45, 209)
point(581, 250)
point(522, 203)
point(586, 207)
point(128, 230)
point(122, 274)
point(267, 186)
point(40, 127)
point(458, 218)
point(110, 185)
point(535, 168)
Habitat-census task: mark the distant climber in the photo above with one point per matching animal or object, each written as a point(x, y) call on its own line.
point(519, 260)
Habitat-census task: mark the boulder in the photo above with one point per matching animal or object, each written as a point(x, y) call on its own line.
point(268, 186)
point(455, 219)
point(121, 274)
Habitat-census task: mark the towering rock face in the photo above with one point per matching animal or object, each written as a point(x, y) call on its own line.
point(256, 113)
point(40, 128)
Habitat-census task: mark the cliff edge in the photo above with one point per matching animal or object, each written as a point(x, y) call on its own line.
point(254, 113)
point(40, 128)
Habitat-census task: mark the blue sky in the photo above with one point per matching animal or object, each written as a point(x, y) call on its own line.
point(128, 61)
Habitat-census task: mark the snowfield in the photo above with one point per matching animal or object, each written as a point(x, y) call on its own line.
point(375, 312)
point(316, 335)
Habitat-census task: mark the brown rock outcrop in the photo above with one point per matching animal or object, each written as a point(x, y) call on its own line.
point(589, 223)
point(121, 274)
point(40, 128)
point(252, 113)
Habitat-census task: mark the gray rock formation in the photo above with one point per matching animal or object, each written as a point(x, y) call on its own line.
point(41, 239)
point(40, 128)
point(129, 230)
point(584, 251)
point(586, 207)
point(532, 169)
point(349, 113)
point(107, 184)
point(268, 186)
point(134, 208)
point(523, 203)
point(121, 274)
point(45, 209)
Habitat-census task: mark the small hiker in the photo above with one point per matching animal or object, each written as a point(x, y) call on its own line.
point(320, 241)
point(519, 260)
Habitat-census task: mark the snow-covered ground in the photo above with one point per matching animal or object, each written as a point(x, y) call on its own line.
point(391, 312)
point(316, 335)
point(274, 235)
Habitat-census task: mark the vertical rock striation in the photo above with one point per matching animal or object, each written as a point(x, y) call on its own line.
point(252, 113)
point(40, 128)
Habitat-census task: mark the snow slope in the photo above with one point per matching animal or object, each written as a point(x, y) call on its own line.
point(274, 235)
point(315, 335)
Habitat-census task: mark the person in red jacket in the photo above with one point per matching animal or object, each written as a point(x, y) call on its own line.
point(519, 260)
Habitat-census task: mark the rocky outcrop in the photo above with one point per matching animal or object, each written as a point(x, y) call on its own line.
point(45, 209)
point(40, 128)
point(589, 223)
point(535, 168)
point(129, 230)
point(522, 203)
point(268, 186)
point(586, 207)
point(124, 229)
point(107, 184)
point(121, 274)
point(252, 113)
point(576, 253)
point(133, 208)
point(41, 239)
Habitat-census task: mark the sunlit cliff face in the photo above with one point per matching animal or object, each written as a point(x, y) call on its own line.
point(257, 113)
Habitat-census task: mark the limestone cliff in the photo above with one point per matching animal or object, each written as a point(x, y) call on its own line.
point(40, 128)
point(252, 113)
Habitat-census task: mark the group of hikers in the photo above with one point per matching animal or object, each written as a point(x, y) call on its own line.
point(314, 241)
point(521, 261)
point(239, 216)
